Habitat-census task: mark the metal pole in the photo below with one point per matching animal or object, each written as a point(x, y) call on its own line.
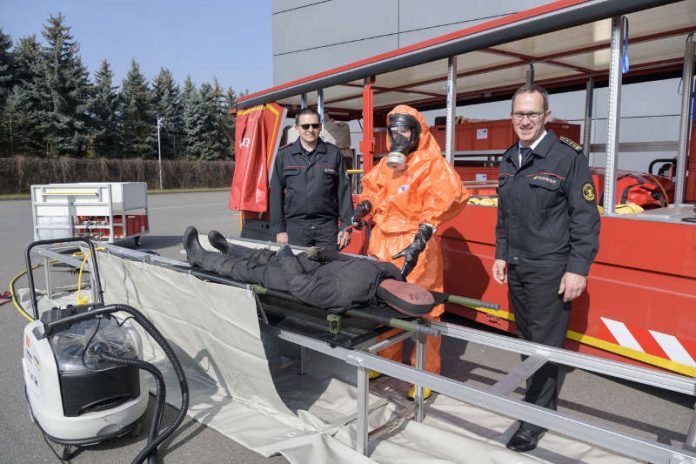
point(690, 443)
point(685, 123)
point(367, 145)
point(363, 384)
point(420, 364)
point(587, 131)
point(159, 151)
point(320, 104)
point(303, 100)
point(613, 117)
point(451, 108)
point(303, 360)
point(530, 74)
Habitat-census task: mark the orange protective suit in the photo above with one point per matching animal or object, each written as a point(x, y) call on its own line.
point(428, 191)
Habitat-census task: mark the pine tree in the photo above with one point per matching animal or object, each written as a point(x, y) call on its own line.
point(193, 117)
point(166, 101)
point(103, 109)
point(6, 66)
point(228, 123)
point(6, 82)
point(64, 87)
point(25, 105)
point(211, 147)
point(138, 120)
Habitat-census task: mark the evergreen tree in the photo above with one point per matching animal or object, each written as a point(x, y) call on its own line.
point(211, 98)
point(228, 123)
point(103, 109)
point(138, 120)
point(25, 106)
point(6, 82)
point(6, 66)
point(64, 88)
point(193, 117)
point(166, 97)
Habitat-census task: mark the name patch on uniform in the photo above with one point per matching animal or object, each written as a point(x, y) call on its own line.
point(588, 192)
point(329, 171)
point(548, 180)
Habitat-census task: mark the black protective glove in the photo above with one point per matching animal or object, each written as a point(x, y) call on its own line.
point(362, 209)
point(411, 252)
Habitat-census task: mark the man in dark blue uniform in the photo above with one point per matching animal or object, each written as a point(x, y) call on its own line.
point(547, 236)
point(310, 190)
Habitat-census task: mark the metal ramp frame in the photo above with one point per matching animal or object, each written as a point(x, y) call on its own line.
point(496, 398)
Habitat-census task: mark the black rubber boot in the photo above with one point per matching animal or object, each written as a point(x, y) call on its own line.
point(196, 255)
point(217, 240)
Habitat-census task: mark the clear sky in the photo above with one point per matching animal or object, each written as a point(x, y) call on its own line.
point(225, 39)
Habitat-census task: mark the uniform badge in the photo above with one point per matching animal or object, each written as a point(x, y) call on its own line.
point(575, 146)
point(588, 192)
point(403, 188)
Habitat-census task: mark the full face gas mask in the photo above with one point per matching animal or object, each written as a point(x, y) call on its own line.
point(402, 143)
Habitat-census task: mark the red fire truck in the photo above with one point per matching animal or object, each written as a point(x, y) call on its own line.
point(640, 305)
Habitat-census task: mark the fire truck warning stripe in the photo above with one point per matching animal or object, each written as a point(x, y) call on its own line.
point(672, 364)
point(622, 335)
point(674, 350)
point(633, 354)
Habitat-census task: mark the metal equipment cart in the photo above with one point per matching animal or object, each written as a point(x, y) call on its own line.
point(101, 211)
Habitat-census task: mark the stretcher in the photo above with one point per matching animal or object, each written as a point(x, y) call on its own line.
point(175, 295)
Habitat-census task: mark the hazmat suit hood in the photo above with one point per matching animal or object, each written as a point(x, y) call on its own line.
point(426, 140)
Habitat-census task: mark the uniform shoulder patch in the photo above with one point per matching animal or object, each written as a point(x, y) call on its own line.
point(588, 192)
point(574, 145)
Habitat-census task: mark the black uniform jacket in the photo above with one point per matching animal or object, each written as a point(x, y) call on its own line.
point(547, 211)
point(310, 187)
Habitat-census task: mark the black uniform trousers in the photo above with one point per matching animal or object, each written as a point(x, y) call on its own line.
point(542, 317)
point(307, 233)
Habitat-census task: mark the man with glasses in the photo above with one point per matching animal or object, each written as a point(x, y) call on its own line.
point(547, 236)
point(310, 189)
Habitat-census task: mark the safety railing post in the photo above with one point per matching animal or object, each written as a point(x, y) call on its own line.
point(420, 364)
point(363, 396)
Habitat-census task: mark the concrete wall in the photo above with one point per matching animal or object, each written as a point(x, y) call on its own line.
point(311, 36)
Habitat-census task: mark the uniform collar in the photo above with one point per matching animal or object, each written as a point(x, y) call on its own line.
point(541, 146)
point(298, 150)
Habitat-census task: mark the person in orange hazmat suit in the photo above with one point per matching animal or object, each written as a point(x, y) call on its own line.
point(409, 194)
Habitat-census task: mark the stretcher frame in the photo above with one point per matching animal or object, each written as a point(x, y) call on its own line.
point(496, 398)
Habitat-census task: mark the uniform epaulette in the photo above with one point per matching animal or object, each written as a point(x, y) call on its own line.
point(574, 145)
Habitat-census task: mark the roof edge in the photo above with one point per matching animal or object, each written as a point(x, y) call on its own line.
point(561, 14)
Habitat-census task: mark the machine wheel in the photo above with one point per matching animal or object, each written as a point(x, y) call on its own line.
point(138, 241)
point(65, 452)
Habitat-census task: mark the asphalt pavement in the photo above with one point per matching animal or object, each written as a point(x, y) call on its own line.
point(633, 409)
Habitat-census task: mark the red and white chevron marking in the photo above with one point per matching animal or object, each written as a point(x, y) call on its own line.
point(647, 341)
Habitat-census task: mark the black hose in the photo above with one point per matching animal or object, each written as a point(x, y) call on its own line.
point(160, 393)
point(50, 327)
point(178, 369)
